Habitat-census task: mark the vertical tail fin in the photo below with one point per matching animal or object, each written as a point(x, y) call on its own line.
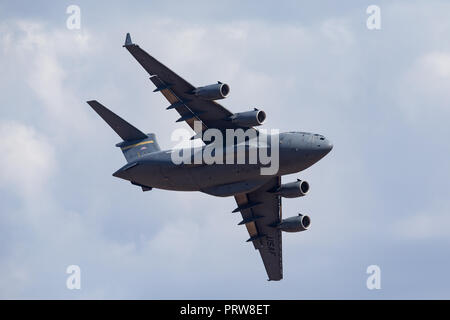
point(135, 143)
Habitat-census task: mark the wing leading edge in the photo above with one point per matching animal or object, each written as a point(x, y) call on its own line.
point(180, 94)
point(260, 210)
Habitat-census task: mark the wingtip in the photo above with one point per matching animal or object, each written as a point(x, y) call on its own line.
point(128, 41)
point(94, 104)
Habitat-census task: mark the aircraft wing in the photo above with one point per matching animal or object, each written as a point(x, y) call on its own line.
point(260, 210)
point(179, 93)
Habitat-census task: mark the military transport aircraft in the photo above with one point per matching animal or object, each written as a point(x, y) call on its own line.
point(258, 196)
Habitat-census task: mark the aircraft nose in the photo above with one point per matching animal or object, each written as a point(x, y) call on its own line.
point(324, 147)
point(328, 145)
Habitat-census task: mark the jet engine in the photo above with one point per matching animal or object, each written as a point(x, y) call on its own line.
point(295, 224)
point(213, 91)
point(249, 118)
point(294, 189)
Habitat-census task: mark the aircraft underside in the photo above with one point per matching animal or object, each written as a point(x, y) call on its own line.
point(256, 186)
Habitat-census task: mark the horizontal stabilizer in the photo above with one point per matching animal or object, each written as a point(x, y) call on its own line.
point(125, 130)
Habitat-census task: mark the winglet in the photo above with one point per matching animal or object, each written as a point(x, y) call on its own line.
point(128, 41)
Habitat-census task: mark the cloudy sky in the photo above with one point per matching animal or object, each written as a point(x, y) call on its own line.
point(381, 197)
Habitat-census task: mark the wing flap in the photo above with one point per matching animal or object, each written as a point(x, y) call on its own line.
point(181, 105)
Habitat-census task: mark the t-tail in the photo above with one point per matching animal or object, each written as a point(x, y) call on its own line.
point(135, 143)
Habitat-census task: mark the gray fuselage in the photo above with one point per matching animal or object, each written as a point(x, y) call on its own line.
point(297, 151)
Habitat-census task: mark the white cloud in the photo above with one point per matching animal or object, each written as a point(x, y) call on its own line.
point(338, 31)
point(176, 239)
point(27, 160)
point(426, 225)
point(43, 56)
point(424, 90)
point(437, 64)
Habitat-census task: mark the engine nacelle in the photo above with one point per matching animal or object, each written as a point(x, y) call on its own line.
point(213, 91)
point(295, 189)
point(295, 224)
point(249, 118)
